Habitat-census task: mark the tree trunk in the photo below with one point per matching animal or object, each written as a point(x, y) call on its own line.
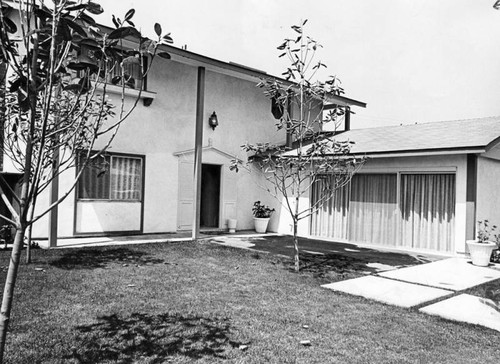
point(8, 292)
point(10, 281)
point(28, 247)
point(296, 246)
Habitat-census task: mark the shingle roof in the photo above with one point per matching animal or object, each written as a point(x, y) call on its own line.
point(434, 136)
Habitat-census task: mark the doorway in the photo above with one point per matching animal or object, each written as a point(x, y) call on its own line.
point(210, 195)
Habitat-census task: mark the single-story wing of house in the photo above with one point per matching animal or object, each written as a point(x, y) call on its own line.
point(423, 187)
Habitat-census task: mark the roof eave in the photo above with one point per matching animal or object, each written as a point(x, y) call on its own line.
point(423, 152)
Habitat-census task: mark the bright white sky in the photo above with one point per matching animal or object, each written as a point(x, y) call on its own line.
point(409, 60)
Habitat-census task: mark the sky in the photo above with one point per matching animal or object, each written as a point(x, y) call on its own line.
point(409, 60)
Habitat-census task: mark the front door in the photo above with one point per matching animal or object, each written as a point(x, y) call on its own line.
point(210, 195)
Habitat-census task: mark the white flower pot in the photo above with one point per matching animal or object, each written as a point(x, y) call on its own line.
point(480, 253)
point(231, 225)
point(261, 224)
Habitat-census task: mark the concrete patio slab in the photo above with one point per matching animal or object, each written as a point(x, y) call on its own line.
point(389, 291)
point(233, 242)
point(455, 274)
point(466, 308)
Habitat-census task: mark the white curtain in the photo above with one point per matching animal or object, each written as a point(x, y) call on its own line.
point(126, 178)
point(428, 211)
point(373, 216)
point(330, 219)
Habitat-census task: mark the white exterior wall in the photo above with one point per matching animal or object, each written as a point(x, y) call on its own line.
point(488, 190)
point(167, 127)
point(434, 164)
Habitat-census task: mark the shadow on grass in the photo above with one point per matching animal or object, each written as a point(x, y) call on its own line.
point(341, 266)
point(326, 259)
point(152, 338)
point(100, 258)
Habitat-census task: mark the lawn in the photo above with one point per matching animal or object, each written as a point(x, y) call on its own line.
point(203, 303)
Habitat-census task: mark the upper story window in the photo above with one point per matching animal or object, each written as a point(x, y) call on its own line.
point(112, 177)
point(128, 73)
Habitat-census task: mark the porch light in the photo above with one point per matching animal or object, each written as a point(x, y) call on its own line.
point(212, 121)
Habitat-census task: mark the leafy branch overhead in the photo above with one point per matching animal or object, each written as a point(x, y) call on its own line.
point(55, 110)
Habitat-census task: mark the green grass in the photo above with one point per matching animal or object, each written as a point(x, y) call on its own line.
point(199, 302)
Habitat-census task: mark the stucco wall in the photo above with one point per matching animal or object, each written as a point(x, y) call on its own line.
point(433, 164)
point(167, 127)
point(488, 190)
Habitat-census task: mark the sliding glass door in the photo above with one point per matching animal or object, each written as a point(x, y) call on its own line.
point(412, 211)
point(373, 209)
point(330, 218)
point(428, 211)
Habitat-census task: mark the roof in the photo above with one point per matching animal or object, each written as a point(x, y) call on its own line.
point(238, 70)
point(230, 68)
point(462, 136)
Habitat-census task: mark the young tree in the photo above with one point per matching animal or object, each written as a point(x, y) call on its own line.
point(312, 159)
point(56, 104)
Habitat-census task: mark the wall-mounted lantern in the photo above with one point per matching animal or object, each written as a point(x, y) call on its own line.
point(212, 121)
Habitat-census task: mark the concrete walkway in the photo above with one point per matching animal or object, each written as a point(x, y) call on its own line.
point(434, 288)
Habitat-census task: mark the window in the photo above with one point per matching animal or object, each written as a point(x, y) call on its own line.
point(111, 71)
point(112, 177)
point(132, 74)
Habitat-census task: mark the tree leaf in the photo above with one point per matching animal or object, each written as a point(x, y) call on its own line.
point(158, 29)
point(123, 32)
point(10, 26)
point(63, 30)
point(129, 14)
point(43, 13)
point(75, 7)
point(167, 38)
point(164, 55)
point(115, 22)
point(282, 46)
point(115, 80)
point(75, 27)
point(94, 8)
point(87, 19)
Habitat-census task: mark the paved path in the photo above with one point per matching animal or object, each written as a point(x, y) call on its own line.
point(435, 288)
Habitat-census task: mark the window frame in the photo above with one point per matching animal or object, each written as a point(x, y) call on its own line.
point(111, 155)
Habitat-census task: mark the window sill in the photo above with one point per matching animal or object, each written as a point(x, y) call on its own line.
point(146, 96)
point(93, 200)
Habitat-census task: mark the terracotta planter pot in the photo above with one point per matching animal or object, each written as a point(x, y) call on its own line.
point(261, 224)
point(480, 253)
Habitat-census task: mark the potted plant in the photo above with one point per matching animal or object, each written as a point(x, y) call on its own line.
point(261, 216)
point(481, 248)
